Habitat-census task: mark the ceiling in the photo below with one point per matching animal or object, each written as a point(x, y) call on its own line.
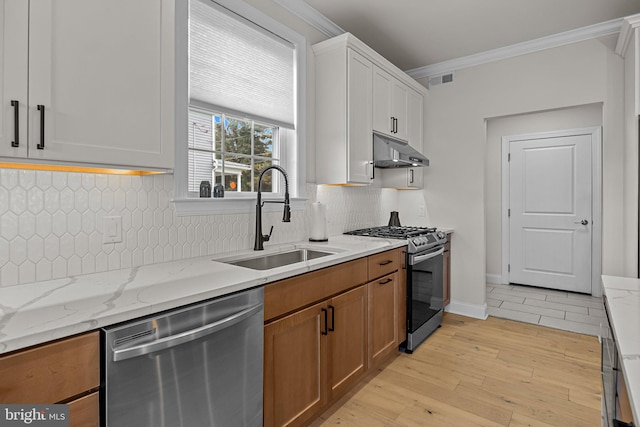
point(417, 33)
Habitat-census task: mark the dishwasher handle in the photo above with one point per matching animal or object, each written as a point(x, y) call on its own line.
point(187, 336)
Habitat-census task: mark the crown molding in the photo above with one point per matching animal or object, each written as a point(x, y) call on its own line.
point(626, 31)
point(312, 17)
point(568, 37)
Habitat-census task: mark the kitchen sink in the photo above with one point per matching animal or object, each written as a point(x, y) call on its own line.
point(273, 260)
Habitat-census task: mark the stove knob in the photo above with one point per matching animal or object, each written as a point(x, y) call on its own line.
point(441, 235)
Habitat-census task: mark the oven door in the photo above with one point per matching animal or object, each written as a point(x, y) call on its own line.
point(424, 294)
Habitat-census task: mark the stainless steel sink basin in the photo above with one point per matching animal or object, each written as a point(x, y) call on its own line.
point(267, 261)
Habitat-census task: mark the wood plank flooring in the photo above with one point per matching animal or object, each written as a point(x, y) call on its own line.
point(470, 372)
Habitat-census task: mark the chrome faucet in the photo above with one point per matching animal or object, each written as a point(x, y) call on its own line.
point(260, 238)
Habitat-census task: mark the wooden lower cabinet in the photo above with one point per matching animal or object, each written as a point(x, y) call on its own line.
point(312, 356)
point(383, 321)
point(295, 367)
point(85, 411)
point(446, 273)
point(347, 337)
point(401, 304)
point(64, 371)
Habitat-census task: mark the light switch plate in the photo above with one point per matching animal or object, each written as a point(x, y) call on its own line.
point(112, 229)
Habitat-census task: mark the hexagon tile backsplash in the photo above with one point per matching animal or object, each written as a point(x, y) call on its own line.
point(51, 223)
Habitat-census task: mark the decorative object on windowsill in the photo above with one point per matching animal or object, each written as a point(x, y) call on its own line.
point(394, 220)
point(318, 223)
point(205, 189)
point(218, 190)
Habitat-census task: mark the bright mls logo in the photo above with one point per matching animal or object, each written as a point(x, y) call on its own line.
point(36, 415)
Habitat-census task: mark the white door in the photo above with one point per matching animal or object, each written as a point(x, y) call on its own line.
point(550, 198)
point(382, 95)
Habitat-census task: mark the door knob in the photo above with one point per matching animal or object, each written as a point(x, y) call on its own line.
point(583, 222)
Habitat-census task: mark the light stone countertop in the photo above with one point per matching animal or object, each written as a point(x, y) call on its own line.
point(43, 311)
point(622, 297)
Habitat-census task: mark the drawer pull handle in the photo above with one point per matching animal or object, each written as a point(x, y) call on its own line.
point(385, 262)
point(384, 282)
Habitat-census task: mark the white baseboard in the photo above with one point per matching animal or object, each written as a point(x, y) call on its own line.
point(469, 310)
point(494, 278)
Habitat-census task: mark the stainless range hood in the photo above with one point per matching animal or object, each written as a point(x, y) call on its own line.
point(395, 153)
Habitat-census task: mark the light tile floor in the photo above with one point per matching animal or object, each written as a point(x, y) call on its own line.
point(556, 309)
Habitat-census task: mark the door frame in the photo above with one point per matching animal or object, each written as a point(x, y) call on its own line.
point(596, 198)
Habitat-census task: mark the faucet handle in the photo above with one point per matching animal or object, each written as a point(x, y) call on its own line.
point(266, 237)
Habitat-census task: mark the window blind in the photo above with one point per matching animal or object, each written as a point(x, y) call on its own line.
point(237, 66)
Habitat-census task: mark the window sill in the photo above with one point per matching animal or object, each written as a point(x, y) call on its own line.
point(229, 205)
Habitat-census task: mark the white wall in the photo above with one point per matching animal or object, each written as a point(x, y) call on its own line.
point(565, 118)
point(631, 99)
point(455, 142)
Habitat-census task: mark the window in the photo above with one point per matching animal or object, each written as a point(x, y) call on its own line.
point(231, 151)
point(243, 88)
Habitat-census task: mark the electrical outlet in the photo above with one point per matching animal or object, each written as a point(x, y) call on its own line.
point(112, 229)
point(422, 211)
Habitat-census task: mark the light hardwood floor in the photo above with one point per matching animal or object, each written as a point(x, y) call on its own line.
point(471, 372)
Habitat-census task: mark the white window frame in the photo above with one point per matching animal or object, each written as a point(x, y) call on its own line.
point(293, 141)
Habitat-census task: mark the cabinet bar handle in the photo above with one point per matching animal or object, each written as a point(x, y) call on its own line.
point(326, 330)
point(384, 282)
point(395, 125)
point(333, 319)
point(16, 123)
point(392, 119)
point(387, 262)
point(410, 176)
point(41, 145)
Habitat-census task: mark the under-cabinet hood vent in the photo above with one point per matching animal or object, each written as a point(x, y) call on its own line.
point(395, 153)
point(441, 79)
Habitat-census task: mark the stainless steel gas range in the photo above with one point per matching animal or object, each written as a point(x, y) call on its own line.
point(425, 248)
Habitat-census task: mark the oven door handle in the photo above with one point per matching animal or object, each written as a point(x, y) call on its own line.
point(415, 259)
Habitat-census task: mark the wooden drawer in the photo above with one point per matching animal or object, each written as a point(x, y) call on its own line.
point(53, 372)
point(383, 263)
point(85, 411)
point(297, 292)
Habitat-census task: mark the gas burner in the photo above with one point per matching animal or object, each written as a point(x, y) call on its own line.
point(418, 238)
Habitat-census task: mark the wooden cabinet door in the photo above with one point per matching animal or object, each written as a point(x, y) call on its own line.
point(446, 273)
point(360, 147)
point(295, 367)
point(103, 70)
point(347, 347)
point(401, 307)
point(14, 48)
point(383, 327)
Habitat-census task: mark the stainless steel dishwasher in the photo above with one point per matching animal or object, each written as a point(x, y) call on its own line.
point(191, 367)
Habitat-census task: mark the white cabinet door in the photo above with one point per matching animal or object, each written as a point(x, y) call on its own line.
point(360, 140)
point(415, 121)
point(399, 97)
point(13, 83)
point(382, 95)
point(390, 97)
point(101, 72)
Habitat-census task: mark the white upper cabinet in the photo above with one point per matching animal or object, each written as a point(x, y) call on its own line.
point(359, 92)
point(100, 82)
point(344, 151)
point(14, 59)
point(389, 105)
